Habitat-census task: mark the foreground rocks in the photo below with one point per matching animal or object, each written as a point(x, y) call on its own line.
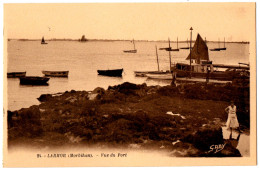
point(133, 116)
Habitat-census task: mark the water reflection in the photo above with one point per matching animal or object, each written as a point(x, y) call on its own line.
point(237, 140)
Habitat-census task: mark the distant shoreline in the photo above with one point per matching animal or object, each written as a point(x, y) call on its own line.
point(111, 40)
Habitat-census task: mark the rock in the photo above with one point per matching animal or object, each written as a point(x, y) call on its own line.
point(45, 97)
point(92, 96)
point(97, 93)
point(98, 90)
point(205, 137)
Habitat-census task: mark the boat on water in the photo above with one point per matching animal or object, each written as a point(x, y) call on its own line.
point(144, 73)
point(16, 74)
point(43, 41)
point(219, 49)
point(111, 73)
point(201, 67)
point(186, 48)
point(169, 76)
point(166, 76)
point(171, 49)
point(56, 73)
point(131, 51)
point(34, 80)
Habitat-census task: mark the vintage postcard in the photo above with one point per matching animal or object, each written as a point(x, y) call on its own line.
point(129, 84)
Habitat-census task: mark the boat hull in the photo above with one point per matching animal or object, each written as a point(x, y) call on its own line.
point(172, 49)
point(185, 48)
point(130, 51)
point(16, 74)
point(56, 73)
point(111, 73)
point(167, 76)
point(33, 80)
point(221, 75)
point(144, 73)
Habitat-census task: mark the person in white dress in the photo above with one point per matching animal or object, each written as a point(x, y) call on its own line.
point(232, 122)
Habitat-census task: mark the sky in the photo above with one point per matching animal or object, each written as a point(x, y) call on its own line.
point(141, 21)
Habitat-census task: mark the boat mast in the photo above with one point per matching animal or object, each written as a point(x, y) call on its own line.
point(190, 47)
point(177, 42)
point(224, 42)
point(218, 43)
point(157, 58)
point(134, 43)
point(170, 53)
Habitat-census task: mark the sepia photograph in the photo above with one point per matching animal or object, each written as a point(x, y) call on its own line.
point(129, 84)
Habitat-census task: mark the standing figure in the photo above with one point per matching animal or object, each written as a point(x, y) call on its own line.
point(232, 122)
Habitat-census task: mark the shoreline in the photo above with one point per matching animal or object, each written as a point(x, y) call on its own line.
point(184, 120)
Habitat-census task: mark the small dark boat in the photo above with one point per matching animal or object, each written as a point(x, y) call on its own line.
point(112, 73)
point(130, 51)
point(34, 80)
point(16, 74)
point(56, 73)
point(43, 41)
point(170, 48)
point(215, 49)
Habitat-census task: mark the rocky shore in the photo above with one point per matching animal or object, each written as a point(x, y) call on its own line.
point(184, 121)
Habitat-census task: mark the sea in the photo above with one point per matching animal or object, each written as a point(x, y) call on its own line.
point(83, 59)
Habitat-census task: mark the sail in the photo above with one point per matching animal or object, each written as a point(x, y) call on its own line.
point(199, 50)
point(43, 40)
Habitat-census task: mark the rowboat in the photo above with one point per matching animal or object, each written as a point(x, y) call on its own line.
point(144, 73)
point(34, 80)
point(16, 74)
point(167, 76)
point(112, 73)
point(56, 73)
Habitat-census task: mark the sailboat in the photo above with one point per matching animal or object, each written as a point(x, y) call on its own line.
point(224, 46)
point(131, 51)
point(219, 49)
point(170, 49)
point(43, 41)
point(186, 48)
point(200, 67)
point(144, 73)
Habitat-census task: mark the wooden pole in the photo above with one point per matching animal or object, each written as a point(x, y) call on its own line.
point(157, 58)
point(134, 43)
point(190, 48)
point(177, 42)
point(170, 54)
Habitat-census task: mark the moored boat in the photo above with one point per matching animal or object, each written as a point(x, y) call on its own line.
point(112, 73)
point(56, 73)
point(201, 67)
point(16, 74)
point(43, 41)
point(131, 51)
point(144, 73)
point(34, 80)
point(167, 76)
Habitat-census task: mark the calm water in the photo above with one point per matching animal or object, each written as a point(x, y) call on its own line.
point(84, 59)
